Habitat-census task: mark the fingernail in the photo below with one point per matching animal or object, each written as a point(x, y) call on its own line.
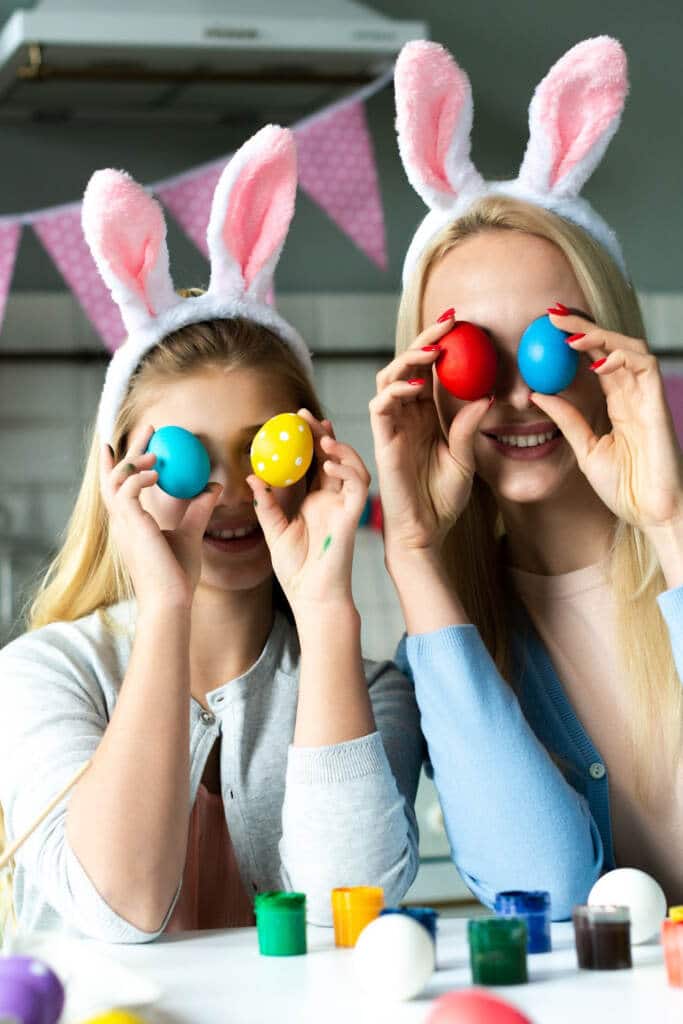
point(111, 450)
point(574, 337)
point(430, 348)
point(529, 399)
point(446, 315)
point(559, 309)
point(598, 362)
point(255, 502)
point(416, 380)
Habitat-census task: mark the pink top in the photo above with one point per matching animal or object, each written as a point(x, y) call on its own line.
point(574, 615)
point(212, 895)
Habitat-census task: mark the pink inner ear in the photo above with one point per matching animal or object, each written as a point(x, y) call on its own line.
point(131, 232)
point(431, 91)
point(261, 206)
point(579, 100)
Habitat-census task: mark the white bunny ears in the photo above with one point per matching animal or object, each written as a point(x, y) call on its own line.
point(573, 115)
point(252, 208)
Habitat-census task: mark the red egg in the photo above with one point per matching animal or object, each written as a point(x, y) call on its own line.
point(467, 364)
point(474, 1006)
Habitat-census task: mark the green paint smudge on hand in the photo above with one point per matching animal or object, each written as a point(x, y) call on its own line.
point(326, 544)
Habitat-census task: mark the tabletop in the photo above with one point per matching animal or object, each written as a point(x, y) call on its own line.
point(219, 977)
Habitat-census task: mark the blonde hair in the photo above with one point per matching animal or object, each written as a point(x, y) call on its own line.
point(471, 551)
point(88, 574)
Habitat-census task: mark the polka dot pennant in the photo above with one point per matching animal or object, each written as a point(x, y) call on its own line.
point(62, 235)
point(10, 233)
point(189, 200)
point(337, 169)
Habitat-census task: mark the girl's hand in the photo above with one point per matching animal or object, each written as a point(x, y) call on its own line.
point(425, 479)
point(312, 553)
point(164, 565)
point(636, 469)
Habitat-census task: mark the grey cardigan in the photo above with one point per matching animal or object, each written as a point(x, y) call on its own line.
point(307, 819)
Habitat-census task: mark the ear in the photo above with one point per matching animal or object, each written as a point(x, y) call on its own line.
point(574, 113)
point(252, 209)
point(434, 121)
point(126, 232)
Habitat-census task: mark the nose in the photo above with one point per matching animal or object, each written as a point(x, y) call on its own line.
point(231, 473)
point(511, 388)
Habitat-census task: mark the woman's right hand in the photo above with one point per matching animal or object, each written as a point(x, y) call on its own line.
point(425, 478)
point(164, 565)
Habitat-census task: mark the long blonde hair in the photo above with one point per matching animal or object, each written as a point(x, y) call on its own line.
point(471, 551)
point(87, 573)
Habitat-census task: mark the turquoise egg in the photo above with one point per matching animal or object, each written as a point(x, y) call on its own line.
point(547, 364)
point(182, 462)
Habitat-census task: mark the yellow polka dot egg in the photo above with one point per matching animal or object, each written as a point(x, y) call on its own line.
point(282, 450)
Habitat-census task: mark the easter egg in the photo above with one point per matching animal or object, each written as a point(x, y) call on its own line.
point(282, 450)
point(632, 888)
point(115, 1017)
point(467, 363)
point(474, 1006)
point(394, 957)
point(30, 992)
point(182, 462)
point(547, 364)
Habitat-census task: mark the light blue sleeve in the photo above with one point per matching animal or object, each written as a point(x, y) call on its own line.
point(512, 819)
point(671, 605)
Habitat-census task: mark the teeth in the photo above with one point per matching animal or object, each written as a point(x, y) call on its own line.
point(525, 440)
point(241, 531)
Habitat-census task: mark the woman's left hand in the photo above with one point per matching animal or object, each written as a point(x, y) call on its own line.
point(636, 468)
point(312, 552)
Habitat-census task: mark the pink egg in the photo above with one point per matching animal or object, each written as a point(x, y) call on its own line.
point(474, 1006)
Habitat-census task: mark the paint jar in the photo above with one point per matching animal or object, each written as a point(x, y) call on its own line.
point(603, 937)
point(281, 923)
point(672, 941)
point(353, 907)
point(423, 915)
point(498, 950)
point(534, 907)
point(676, 913)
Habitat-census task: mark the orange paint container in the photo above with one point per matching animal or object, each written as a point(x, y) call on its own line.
point(352, 909)
point(672, 941)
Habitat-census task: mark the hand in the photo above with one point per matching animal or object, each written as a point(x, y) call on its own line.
point(312, 553)
point(164, 565)
point(637, 468)
point(425, 478)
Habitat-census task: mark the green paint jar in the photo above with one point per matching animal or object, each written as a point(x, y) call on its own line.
point(281, 923)
point(498, 950)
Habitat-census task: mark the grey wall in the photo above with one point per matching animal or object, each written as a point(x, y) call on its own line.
point(506, 46)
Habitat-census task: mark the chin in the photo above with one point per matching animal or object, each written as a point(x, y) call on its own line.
point(528, 485)
point(245, 578)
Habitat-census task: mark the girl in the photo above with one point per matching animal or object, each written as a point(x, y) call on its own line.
point(535, 541)
point(206, 694)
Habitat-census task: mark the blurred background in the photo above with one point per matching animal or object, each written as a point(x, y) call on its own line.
point(167, 90)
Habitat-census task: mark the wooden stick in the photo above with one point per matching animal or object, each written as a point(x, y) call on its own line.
point(6, 857)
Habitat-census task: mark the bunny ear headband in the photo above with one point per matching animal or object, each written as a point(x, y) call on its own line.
point(251, 211)
point(573, 115)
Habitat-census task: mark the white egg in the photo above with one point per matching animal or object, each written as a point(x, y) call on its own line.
point(629, 887)
point(394, 957)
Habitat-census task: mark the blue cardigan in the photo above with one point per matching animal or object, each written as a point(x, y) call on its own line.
point(516, 818)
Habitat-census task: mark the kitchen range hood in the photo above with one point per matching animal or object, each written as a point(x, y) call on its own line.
point(207, 57)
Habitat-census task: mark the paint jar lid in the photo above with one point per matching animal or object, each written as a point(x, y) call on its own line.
point(280, 901)
point(487, 934)
point(370, 896)
point(423, 915)
point(605, 914)
point(515, 901)
point(676, 913)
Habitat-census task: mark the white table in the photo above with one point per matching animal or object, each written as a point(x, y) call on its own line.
point(220, 978)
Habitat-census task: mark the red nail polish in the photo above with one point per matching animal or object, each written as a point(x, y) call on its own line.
point(559, 309)
point(416, 380)
point(598, 362)
point(574, 337)
point(446, 316)
point(430, 348)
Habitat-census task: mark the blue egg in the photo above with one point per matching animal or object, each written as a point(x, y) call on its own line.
point(545, 361)
point(182, 462)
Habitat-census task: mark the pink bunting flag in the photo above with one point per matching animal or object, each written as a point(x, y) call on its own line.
point(189, 200)
point(62, 235)
point(337, 169)
point(10, 233)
